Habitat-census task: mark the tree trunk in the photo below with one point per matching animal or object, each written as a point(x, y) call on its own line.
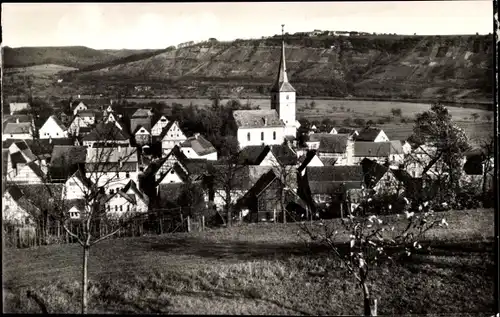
point(283, 209)
point(229, 217)
point(86, 250)
point(370, 304)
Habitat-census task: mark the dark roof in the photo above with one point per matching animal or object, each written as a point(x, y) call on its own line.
point(78, 203)
point(328, 179)
point(168, 127)
point(373, 172)
point(37, 170)
point(328, 161)
point(106, 131)
point(17, 158)
point(141, 113)
point(199, 144)
point(257, 118)
point(350, 131)
point(65, 160)
point(15, 192)
point(252, 154)
point(238, 177)
point(304, 160)
point(197, 166)
point(281, 84)
point(177, 168)
point(330, 143)
point(262, 183)
point(136, 123)
point(284, 154)
point(132, 186)
point(368, 134)
point(13, 118)
point(17, 128)
point(377, 149)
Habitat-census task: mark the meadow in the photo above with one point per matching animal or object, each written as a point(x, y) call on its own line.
point(257, 269)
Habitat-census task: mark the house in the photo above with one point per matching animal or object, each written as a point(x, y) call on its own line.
point(268, 127)
point(77, 106)
point(380, 152)
point(421, 161)
point(309, 159)
point(116, 119)
point(76, 208)
point(159, 125)
point(176, 174)
point(112, 167)
point(329, 188)
point(20, 131)
point(352, 132)
point(142, 136)
point(475, 169)
point(106, 134)
point(77, 186)
point(406, 147)
point(65, 161)
point(18, 106)
point(141, 117)
point(380, 179)
point(267, 198)
point(332, 149)
point(53, 128)
point(333, 131)
point(171, 136)
point(76, 125)
point(16, 208)
point(372, 134)
point(197, 147)
point(221, 179)
point(127, 200)
point(268, 155)
point(24, 172)
point(89, 116)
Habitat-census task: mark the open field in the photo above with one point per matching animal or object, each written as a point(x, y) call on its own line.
point(256, 269)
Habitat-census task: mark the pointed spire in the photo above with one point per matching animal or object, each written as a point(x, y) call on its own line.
point(282, 75)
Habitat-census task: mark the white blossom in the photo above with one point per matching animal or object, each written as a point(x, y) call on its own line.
point(390, 206)
point(409, 214)
point(369, 199)
point(406, 200)
point(444, 223)
point(371, 242)
point(426, 203)
point(420, 208)
point(379, 220)
point(370, 219)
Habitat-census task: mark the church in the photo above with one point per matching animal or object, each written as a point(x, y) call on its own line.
point(274, 126)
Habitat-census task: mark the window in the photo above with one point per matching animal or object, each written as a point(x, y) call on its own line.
point(248, 136)
point(127, 175)
point(121, 208)
point(128, 207)
point(109, 208)
point(57, 133)
point(274, 135)
point(172, 171)
point(116, 208)
point(262, 136)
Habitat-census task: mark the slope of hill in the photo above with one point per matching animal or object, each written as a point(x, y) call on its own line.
point(70, 56)
point(411, 67)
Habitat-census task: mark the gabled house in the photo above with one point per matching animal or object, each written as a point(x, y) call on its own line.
point(159, 125)
point(236, 180)
point(89, 116)
point(197, 147)
point(105, 134)
point(76, 125)
point(19, 131)
point(18, 106)
point(76, 208)
point(265, 200)
point(176, 174)
point(307, 160)
point(333, 131)
point(16, 209)
point(380, 152)
point(142, 136)
point(257, 127)
point(127, 200)
point(331, 188)
point(372, 134)
point(112, 167)
point(77, 186)
point(77, 106)
point(268, 155)
point(25, 173)
point(380, 179)
point(339, 147)
point(53, 128)
point(421, 161)
point(116, 119)
point(172, 135)
point(141, 117)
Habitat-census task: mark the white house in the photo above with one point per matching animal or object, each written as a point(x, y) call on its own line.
point(176, 174)
point(142, 135)
point(89, 116)
point(18, 106)
point(126, 200)
point(333, 131)
point(76, 187)
point(372, 134)
point(308, 160)
point(53, 129)
point(172, 135)
point(334, 149)
point(77, 106)
point(159, 125)
point(16, 209)
point(26, 173)
point(21, 130)
point(379, 152)
point(197, 147)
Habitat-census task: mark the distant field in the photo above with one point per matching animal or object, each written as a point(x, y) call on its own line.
point(256, 269)
point(39, 70)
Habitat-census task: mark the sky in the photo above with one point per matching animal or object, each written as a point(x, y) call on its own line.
point(159, 25)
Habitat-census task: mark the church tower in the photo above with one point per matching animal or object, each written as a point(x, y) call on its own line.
point(283, 95)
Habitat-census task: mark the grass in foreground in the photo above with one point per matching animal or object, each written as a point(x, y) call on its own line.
point(255, 269)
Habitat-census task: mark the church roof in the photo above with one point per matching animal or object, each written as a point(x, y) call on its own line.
point(257, 118)
point(281, 84)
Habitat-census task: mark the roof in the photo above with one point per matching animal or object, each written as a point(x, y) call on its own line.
point(377, 149)
point(58, 122)
point(257, 118)
point(141, 113)
point(177, 168)
point(281, 84)
point(132, 186)
point(252, 154)
point(38, 146)
point(78, 203)
point(373, 172)
point(136, 123)
point(304, 160)
point(91, 102)
point(106, 132)
point(14, 192)
point(199, 144)
point(17, 128)
point(87, 113)
point(238, 177)
point(344, 130)
point(65, 160)
point(168, 127)
point(17, 106)
point(334, 173)
point(262, 183)
point(330, 143)
point(284, 154)
point(17, 158)
point(112, 155)
point(13, 118)
point(368, 134)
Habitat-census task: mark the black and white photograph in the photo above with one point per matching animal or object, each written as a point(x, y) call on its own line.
point(250, 158)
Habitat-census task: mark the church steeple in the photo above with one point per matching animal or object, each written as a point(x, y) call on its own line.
point(281, 83)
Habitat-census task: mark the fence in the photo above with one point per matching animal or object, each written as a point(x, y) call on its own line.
point(26, 236)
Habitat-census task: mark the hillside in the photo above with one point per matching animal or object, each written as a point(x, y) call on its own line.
point(412, 67)
point(69, 56)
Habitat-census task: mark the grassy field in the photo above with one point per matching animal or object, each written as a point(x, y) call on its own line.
point(256, 269)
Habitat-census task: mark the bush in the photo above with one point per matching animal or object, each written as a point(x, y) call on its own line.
point(360, 122)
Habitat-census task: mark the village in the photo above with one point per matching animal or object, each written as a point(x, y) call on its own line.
point(149, 160)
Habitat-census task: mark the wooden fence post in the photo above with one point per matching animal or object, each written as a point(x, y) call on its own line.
point(202, 223)
point(189, 223)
